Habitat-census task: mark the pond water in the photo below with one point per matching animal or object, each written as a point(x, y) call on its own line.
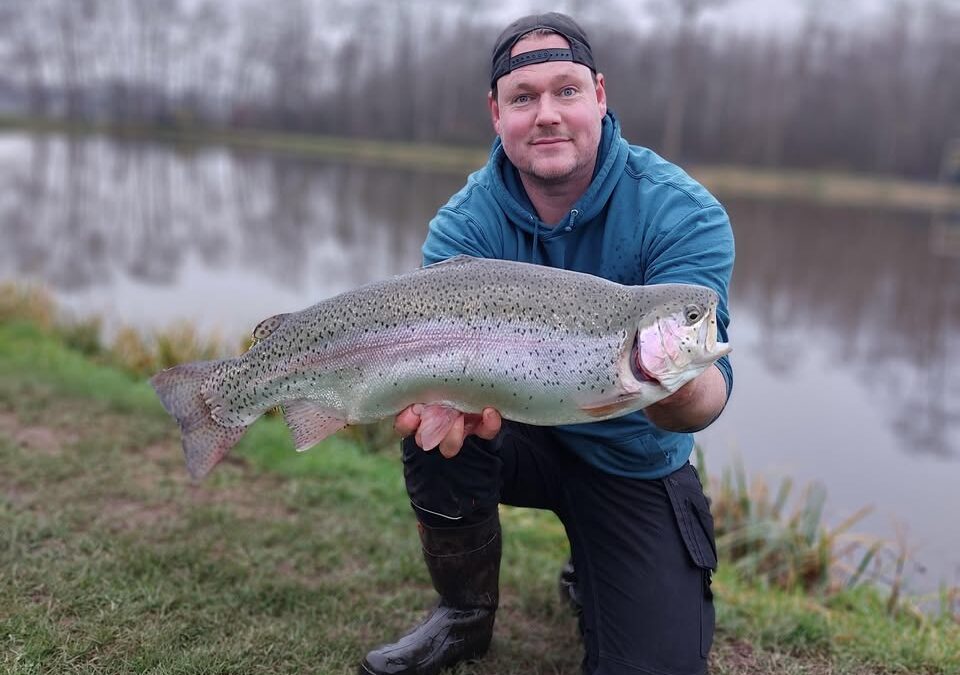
point(846, 322)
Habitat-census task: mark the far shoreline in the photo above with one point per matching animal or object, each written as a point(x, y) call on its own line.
point(727, 181)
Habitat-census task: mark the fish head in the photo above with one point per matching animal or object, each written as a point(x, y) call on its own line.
point(676, 336)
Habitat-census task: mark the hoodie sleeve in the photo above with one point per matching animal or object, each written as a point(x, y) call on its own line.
point(453, 233)
point(699, 249)
point(455, 230)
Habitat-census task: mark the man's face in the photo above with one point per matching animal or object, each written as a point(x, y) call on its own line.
point(548, 115)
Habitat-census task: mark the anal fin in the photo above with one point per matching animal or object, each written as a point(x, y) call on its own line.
point(310, 422)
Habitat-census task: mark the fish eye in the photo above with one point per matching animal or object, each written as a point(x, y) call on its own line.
point(692, 313)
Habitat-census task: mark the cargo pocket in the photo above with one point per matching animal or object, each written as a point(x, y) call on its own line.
point(692, 511)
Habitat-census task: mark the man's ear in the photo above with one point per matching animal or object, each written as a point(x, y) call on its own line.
point(494, 111)
point(601, 94)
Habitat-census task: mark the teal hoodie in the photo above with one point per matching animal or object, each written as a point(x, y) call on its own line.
point(642, 220)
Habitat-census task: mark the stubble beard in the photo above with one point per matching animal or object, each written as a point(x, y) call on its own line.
point(553, 176)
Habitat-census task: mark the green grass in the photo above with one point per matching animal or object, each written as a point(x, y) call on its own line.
point(112, 561)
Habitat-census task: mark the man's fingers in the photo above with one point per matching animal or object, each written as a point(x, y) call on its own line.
point(485, 425)
point(408, 420)
point(489, 425)
point(453, 441)
point(470, 423)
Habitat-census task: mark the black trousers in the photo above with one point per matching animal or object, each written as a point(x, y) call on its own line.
point(643, 550)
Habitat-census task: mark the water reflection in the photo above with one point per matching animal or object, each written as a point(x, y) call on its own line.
point(868, 288)
point(85, 214)
point(845, 325)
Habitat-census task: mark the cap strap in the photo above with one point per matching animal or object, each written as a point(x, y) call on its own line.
point(539, 56)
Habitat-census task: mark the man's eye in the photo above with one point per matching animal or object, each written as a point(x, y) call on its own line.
point(568, 91)
point(522, 98)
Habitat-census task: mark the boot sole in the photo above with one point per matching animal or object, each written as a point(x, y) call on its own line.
point(471, 657)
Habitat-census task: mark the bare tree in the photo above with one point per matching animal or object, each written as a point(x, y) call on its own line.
point(685, 14)
point(890, 54)
point(289, 65)
point(880, 96)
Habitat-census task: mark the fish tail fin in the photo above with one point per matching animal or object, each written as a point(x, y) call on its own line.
point(205, 442)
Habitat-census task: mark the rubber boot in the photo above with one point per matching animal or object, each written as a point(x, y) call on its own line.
point(464, 565)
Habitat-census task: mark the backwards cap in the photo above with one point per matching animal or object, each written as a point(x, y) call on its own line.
point(563, 25)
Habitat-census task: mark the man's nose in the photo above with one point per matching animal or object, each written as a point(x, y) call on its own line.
point(547, 111)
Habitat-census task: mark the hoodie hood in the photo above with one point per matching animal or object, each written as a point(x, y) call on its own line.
point(509, 192)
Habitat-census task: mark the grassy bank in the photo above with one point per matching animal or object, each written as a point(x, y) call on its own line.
point(111, 561)
point(836, 188)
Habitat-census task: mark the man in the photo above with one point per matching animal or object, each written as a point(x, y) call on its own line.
point(562, 188)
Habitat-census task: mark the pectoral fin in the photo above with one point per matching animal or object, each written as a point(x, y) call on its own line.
point(310, 423)
point(435, 422)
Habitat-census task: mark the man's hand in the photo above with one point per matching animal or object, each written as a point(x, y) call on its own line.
point(693, 406)
point(486, 425)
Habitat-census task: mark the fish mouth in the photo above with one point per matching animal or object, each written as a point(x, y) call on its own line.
point(636, 365)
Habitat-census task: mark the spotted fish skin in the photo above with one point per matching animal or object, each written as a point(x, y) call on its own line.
point(541, 345)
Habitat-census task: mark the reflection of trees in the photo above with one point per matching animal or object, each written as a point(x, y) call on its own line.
point(866, 286)
point(82, 213)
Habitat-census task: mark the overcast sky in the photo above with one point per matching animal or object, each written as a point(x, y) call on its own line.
point(775, 15)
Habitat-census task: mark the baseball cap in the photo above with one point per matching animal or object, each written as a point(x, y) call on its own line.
point(579, 51)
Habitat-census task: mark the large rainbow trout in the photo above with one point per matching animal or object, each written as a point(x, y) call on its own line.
point(541, 345)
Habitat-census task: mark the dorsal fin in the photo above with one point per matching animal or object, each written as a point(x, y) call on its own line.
point(457, 259)
point(266, 327)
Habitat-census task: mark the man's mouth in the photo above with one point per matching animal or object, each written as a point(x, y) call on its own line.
point(549, 141)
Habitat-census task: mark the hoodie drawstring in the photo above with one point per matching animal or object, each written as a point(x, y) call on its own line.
point(536, 232)
point(536, 239)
